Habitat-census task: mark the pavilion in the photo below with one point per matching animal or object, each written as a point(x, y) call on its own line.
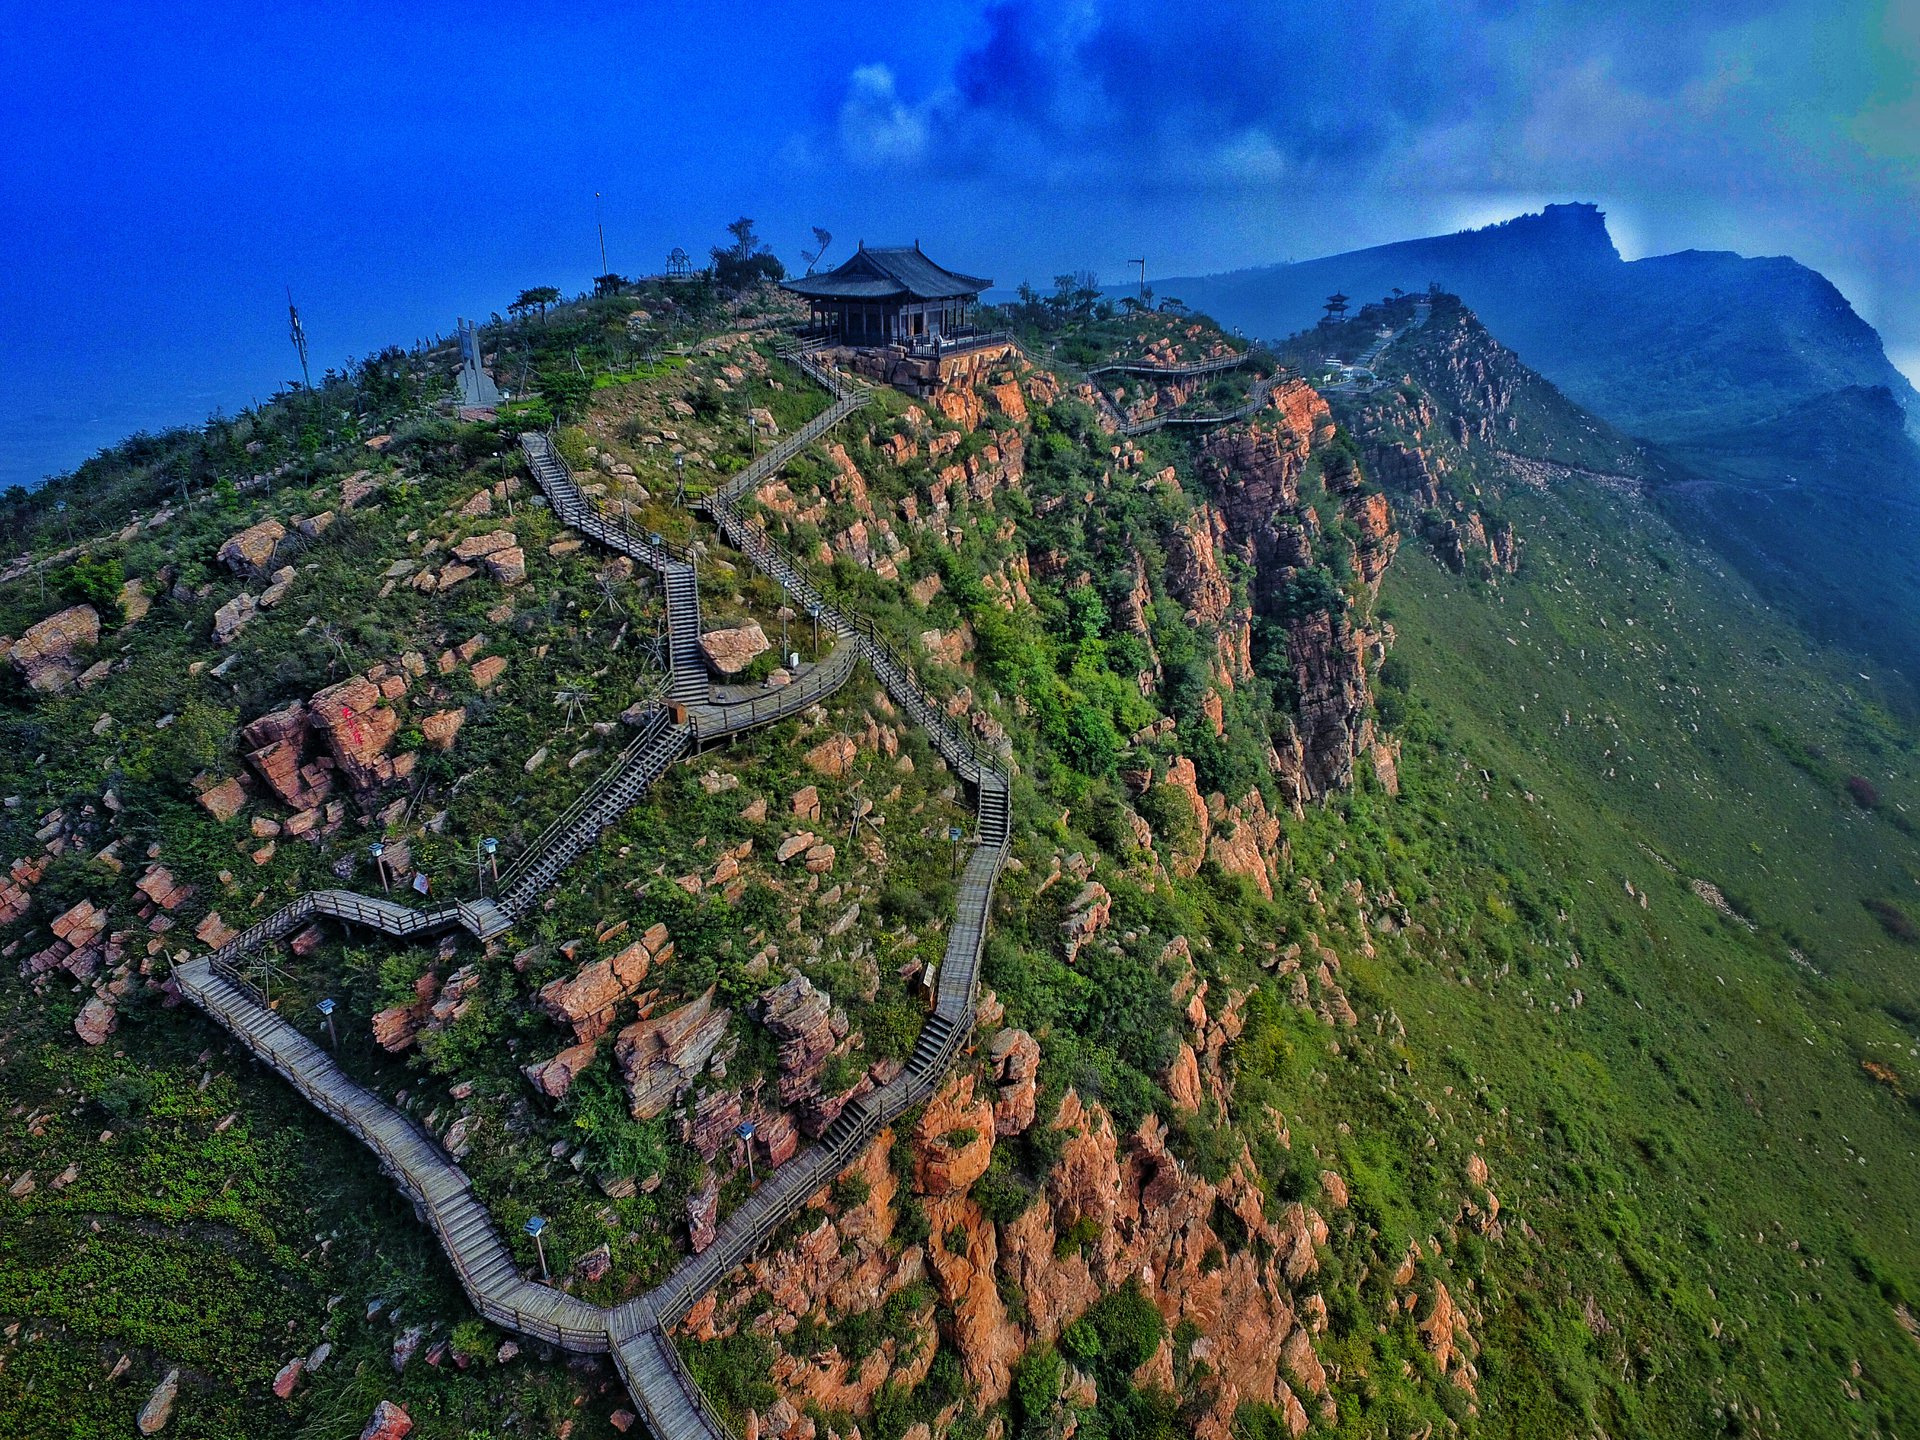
point(892, 295)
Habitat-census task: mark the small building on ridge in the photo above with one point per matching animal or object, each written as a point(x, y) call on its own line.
point(891, 295)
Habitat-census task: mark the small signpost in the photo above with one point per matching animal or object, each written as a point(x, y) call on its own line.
point(325, 1007)
point(745, 1131)
point(537, 1228)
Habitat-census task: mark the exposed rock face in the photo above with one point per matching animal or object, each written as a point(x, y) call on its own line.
point(587, 1000)
point(1092, 908)
point(44, 655)
point(954, 1140)
point(251, 552)
point(1254, 471)
point(359, 727)
point(660, 1056)
point(553, 1078)
point(801, 1019)
point(276, 749)
point(1329, 671)
point(1182, 777)
point(703, 1214)
point(1016, 1062)
point(729, 651)
point(1247, 842)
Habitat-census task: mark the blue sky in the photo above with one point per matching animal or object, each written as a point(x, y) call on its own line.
point(165, 172)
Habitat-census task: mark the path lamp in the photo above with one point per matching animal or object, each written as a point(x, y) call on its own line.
point(680, 477)
point(955, 834)
point(753, 436)
point(378, 850)
point(814, 610)
point(745, 1131)
point(325, 1007)
point(537, 1228)
point(491, 847)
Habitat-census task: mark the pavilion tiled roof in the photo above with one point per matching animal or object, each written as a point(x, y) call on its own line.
point(889, 272)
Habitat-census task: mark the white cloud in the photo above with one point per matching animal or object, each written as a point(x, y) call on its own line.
point(876, 126)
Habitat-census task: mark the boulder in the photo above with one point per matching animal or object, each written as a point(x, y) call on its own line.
point(729, 651)
point(389, 1422)
point(159, 1407)
point(281, 582)
point(1016, 1060)
point(289, 1376)
point(159, 886)
point(1086, 917)
point(833, 756)
point(44, 655)
point(488, 670)
point(595, 1264)
point(95, 1021)
point(553, 1078)
point(233, 617)
point(508, 566)
point(475, 547)
point(251, 552)
point(224, 801)
point(441, 727)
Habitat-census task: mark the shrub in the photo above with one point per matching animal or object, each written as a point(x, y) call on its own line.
point(1862, 792)
point(1036, 1388)
point(95, 582)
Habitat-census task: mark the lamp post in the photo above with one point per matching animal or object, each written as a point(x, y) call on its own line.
point(745, 1131)
point(537, 1228)
point(814, 610)
point(955, 834)
point(325, 1007)
point(679, 477)
point(491, 847)
point(753, 436)
point(378, 850)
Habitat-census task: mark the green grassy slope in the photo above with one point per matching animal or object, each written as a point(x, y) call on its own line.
point(1723, 1196)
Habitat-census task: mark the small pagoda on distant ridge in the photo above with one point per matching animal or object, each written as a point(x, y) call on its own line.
point(891, 295)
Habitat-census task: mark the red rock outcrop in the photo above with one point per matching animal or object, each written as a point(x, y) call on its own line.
point(659, 1056)
point(45, 654)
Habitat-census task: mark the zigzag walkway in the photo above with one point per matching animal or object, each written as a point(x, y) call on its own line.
point(849, 396)
point(636, 1332)
point(1258, 399)
point(1173, 372)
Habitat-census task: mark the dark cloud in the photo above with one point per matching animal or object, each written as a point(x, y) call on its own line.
point(1763, 125)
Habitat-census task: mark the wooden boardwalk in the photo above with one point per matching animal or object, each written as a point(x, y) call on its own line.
point(636, 1333)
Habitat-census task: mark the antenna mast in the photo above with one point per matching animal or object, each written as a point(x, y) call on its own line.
point(1143, 278)
point(600, 222)
point(298, 334)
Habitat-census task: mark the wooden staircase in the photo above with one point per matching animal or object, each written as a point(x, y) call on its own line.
point(637, 1332)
